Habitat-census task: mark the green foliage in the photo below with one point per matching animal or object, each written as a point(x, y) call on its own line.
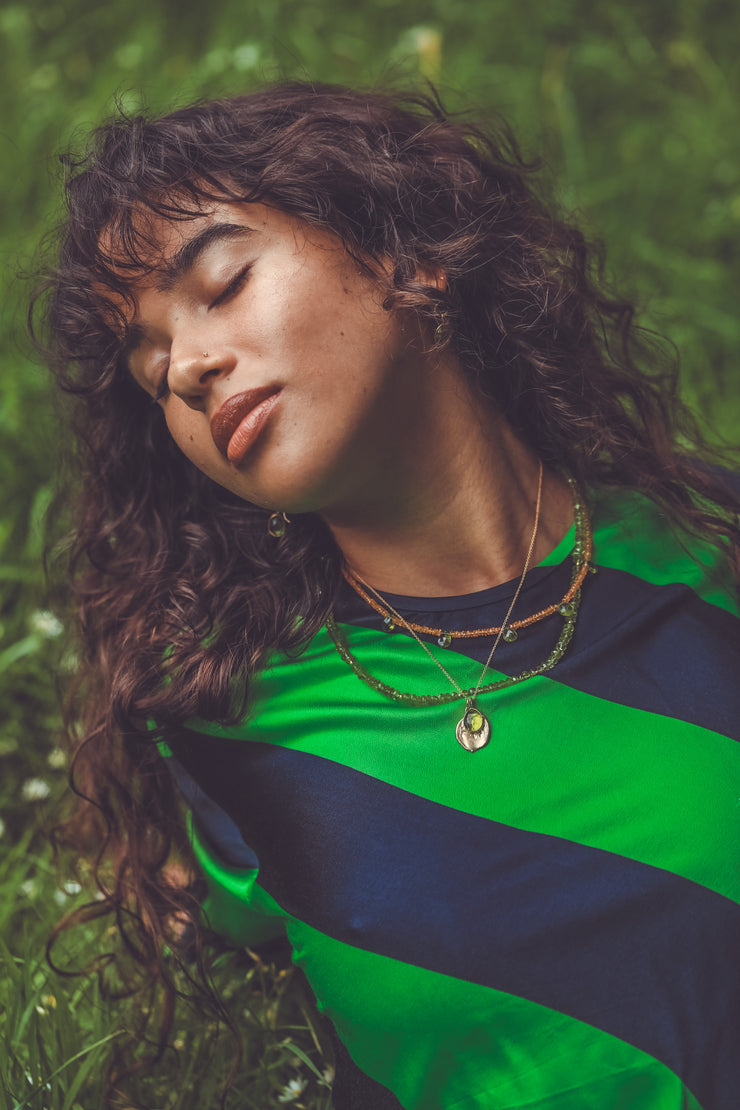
point(635, 109)
point(56, 1032)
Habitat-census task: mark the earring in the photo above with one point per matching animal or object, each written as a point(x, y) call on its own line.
point(277, 525)
point(443, 330)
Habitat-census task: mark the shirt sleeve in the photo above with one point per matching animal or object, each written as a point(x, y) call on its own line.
point(235, 907)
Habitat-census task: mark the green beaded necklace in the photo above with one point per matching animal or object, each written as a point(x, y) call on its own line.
point(473, 731)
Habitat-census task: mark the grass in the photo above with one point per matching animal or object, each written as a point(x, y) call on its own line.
point(57, 1032)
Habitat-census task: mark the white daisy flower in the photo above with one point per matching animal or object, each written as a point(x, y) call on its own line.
point(45, 624)
point(292, 1090)
point(35, 790)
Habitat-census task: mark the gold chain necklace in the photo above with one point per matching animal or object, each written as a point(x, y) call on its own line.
point(473, 731)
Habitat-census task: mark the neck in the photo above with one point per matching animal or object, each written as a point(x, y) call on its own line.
point(452, 505)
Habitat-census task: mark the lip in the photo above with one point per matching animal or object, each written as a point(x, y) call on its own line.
point(237, 423)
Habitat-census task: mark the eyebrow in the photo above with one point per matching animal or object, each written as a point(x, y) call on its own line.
point(185, 258)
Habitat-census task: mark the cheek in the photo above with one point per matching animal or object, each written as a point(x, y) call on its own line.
point(191, 433)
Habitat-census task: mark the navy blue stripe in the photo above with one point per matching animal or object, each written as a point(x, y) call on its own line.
point(658, 648)
point(639, 952)
point(216, 827)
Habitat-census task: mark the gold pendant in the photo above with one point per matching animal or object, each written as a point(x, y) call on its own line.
point(473, 729)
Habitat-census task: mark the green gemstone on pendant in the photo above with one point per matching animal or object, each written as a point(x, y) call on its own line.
point(473, 720)
point(511, 635)
point(444, 640)
point(389, 623)
point(567, 609)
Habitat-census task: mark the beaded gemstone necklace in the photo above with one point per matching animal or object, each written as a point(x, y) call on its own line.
point(473, 731)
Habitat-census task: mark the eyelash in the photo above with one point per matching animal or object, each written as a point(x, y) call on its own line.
point(230, 291)
point(232, 288)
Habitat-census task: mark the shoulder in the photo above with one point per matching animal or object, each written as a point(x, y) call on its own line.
point(658, 628)
point(632, 536)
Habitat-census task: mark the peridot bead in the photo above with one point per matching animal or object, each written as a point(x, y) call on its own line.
point(276, 525)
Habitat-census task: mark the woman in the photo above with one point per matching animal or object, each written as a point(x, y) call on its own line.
point(358, 422)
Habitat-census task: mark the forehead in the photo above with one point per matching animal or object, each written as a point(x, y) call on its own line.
point(150, 242)
point(155, 250)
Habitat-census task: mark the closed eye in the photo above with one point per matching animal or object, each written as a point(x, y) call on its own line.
point(232, 288)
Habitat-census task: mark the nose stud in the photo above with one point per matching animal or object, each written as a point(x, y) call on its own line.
point(205, 354)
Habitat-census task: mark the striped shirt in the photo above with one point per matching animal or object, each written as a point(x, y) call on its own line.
point(550, 923)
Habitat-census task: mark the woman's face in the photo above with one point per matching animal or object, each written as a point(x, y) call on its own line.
point(279, 373)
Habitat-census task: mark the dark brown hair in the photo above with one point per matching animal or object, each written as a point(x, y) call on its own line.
point(179, 595)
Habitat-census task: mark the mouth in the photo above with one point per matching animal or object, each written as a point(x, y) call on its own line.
point(238, 422)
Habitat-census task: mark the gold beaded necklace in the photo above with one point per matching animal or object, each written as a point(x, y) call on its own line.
point(473, 730)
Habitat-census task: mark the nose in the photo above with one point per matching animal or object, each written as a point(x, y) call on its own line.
point(193, 372)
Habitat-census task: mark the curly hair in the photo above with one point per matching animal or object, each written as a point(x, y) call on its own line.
point(179, 597)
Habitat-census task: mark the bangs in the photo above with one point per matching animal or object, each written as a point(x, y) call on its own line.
point(109, 248)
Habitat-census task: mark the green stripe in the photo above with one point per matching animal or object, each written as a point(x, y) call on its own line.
point(560, 762)
point(459, 1046)
point(236, 907)
point(633, 537)
point(562, 551)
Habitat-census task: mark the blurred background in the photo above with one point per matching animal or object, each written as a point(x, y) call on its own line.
point(634, 105)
